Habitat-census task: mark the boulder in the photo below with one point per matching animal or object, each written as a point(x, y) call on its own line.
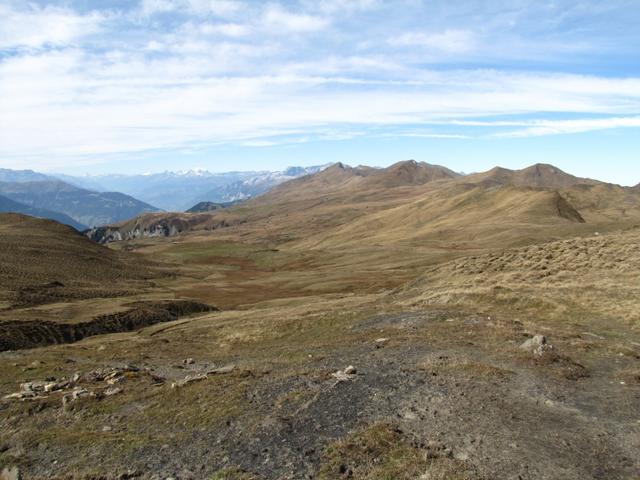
point(537, 345)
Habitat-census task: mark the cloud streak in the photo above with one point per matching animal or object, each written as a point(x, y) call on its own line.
point(181, 74)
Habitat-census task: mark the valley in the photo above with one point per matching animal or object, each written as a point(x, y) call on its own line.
point(401, 323)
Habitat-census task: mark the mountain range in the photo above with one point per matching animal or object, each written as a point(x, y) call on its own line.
point(404, 203)
point(179, 191)
point(8, 205)
point(91, 201)
point(85, 207)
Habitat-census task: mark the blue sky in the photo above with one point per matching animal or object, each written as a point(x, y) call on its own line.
point(136, 86)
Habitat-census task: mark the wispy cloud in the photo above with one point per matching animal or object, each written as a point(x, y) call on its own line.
point(180, 74)
point(277, 17)
point(222, 8)
point(536, 128)
point(448, 41)
point(36, 27)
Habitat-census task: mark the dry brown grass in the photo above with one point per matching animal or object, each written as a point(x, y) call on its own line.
point(382, 452)
point(596, 274)
point(44, 262)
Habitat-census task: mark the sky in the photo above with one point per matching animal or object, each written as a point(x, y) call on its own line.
point(128, 86)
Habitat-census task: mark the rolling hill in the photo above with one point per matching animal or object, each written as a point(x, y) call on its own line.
point(417, 203)
point(45, 261)
point(571, 277)
point(540, 176)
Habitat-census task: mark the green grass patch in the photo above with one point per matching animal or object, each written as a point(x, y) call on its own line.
point(261, 255)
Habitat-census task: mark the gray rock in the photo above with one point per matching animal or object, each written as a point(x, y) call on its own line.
point(109, 392)
point(188, 379)
point(12, 473)
point(222, 370)
point(381, 342)
point(537, 345)
point(534, 342)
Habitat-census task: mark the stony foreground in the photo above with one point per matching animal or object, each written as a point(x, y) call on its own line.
point(327, 389)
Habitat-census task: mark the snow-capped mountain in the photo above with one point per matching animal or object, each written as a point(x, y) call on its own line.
point(180, 190)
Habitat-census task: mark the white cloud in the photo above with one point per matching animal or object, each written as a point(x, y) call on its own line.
point(221, 72)
point(277, 19)
point(227, 29)
point(36, 27)
point(93, 106)
point(449, 41)
point(537, 128)
point(221, 8)
point(341, 6)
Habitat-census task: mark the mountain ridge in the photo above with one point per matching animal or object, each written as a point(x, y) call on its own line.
point(342, 203)
point(84, 206)
point(10, 206)
point(178, 191)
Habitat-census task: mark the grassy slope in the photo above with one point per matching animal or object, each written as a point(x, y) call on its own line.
point(37, 253)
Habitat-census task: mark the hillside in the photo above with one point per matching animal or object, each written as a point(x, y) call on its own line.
point(84, 206)
point(44, 261)
point(336, 194)
point(419, 204)
point(584, 276)
point(8, 205)
point(539, 176)
point(8, 175)
point(324, 362)
point(202, 207)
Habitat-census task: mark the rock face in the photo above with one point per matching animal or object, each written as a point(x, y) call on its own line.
point(160, 225)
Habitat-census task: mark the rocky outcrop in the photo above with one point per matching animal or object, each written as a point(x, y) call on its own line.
point(162, 225)
point(116, 234)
